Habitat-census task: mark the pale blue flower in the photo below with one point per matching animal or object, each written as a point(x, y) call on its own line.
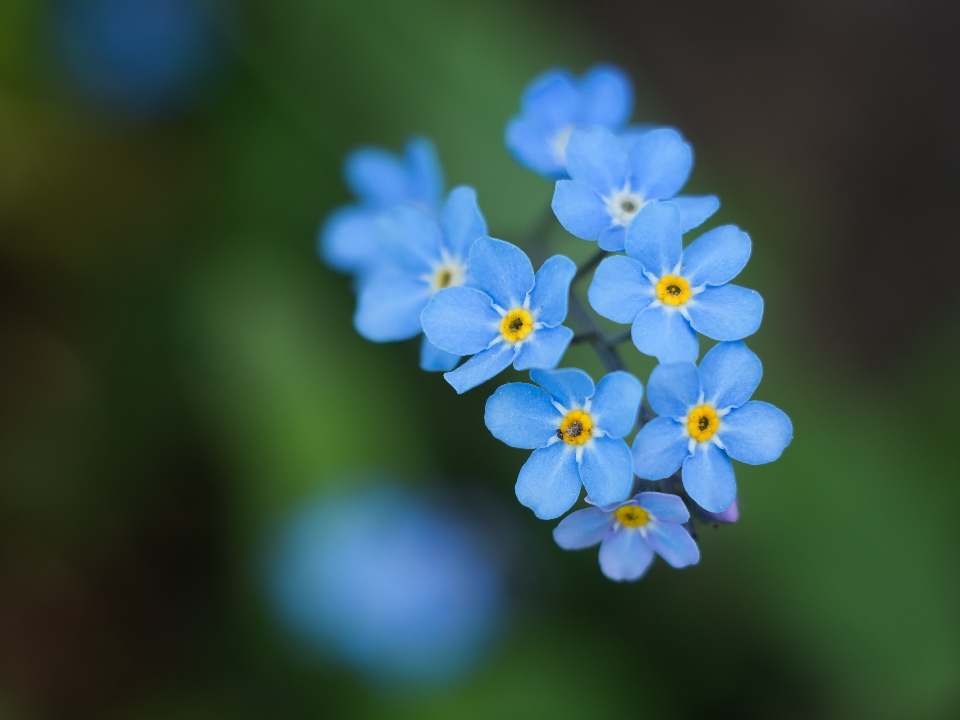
point(380, 180)
point(419, 256)
point(576, 433)
point(507, 316)
point(706, 419)
point(555, 103)
point(630, 532)
point(670, 293)
point(613, 179)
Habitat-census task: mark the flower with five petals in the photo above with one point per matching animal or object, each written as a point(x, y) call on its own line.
point(613, 179)
point(506, 316)
point(419, 256)
point(576, 433)
point(669, 293)
point(707, 418)
point(630, 532)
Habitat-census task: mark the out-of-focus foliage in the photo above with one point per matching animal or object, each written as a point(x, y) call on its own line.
point(179, 370)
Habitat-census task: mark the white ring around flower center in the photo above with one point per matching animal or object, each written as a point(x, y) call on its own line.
point(623, 206)
point(448, 272)
point(558, 144)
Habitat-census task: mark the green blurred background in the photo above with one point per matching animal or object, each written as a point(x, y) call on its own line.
point(177, 369)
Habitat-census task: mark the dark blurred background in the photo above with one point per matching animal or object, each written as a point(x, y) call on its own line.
point(178, 370)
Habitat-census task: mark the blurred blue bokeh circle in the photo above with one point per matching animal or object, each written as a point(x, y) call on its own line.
point(142, 59)
point(388, 584)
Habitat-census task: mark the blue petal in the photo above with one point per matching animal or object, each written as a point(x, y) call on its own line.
point(654, 238)
point(460, 320)
point(529, 141)
point(729, 373)
point(666, 335)
point(695, 209)
point(664, 506)
point(552, 96)
point(377, 177)
point(522, 415)
point(612, 238)
point(717, 256)
point(619, 290)
point(551, 290)
point(606, 96)
point(549, 483)
point(708, 478)
point(673, 389)
point(501, 270)
point(347, 240)
point(480, 368)
point(661, 161)
point(580, 209)
point(583, 528)
point(616, 402)
point(425, 177)
point(596, 158)
point(389, 306)
point(409, 238)
point(660, 448)
point(728, 312)
point(462, 221)
point(544, 348)
point(433, 359)
point(630, 134)
point(625, 555)
point(568, 386)
point(606, 469)
point(756, 432)
point(673, 543)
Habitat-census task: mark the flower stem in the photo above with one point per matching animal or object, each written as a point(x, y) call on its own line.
point(590, 331)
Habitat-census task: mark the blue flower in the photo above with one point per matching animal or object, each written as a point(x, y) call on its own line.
point(509, 315)
point(630, 533)
point(419, 256)
point(705, 420)
point(380, 180)
point(576, 435)
point(613, 179)
point(555, 103)
point(387, 584)
point(670, 293)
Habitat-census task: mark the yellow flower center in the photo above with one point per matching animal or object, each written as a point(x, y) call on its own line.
point(673, 290)
point(632, 516)
point(576, 428)
point(516, 325)
point(702, 423)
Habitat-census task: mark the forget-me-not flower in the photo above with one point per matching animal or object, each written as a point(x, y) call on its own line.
point(670, 293)
point(388, 584)
point(507, 315)
point(554, 104)
point(380, 180)
point(419, 257)
point(612, 180)
point(630, 532)
point(576, 433)
point(706, 419)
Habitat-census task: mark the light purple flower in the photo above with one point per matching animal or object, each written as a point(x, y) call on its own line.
point(630, 532)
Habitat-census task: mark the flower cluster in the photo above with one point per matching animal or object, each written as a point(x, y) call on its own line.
point(425, 265)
